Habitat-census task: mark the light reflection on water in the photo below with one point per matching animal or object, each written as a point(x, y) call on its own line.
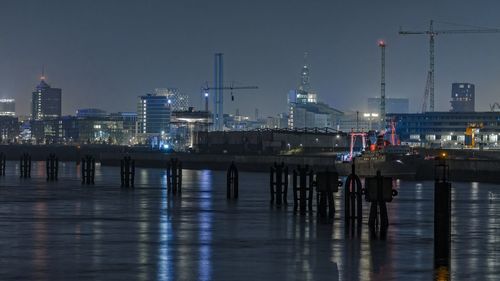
point(65, 229)
point(205, 225)
point(165, 261)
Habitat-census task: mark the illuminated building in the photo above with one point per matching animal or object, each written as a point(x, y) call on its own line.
point(7, 107)
point(462, 97)
point(304, 109)
point(45, 101)
point(153, 114)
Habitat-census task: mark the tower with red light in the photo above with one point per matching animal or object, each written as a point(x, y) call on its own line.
point(382, 44)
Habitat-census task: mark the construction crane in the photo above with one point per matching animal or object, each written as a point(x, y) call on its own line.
point(219, 115)
point(470, 134)
point(432, 34)
point(426, 92)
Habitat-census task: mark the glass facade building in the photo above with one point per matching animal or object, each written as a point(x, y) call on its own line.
point(45, 102)
point(153, 114)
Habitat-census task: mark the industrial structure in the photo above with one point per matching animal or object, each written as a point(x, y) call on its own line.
point(431, 73)
point(271, 141)
point(185, 126)
point(218, 93)
point(382, 45)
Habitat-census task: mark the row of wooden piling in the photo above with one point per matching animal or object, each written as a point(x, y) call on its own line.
point(127, 170)
point(378, 191)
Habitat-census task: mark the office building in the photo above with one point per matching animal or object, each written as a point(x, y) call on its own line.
point(7, 107)
point(45, 102)
point(447, 128)
point(462, 97)
point(153, 114)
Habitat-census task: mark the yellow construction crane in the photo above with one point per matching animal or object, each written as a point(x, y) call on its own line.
point(470, 134)
point(432, 34)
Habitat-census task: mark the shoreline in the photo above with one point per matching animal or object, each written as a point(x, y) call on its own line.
point(477, 170)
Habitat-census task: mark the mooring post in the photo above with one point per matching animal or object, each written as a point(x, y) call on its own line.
point(127, 172)
point(285, 184)
point(442, 216)
point(169, 176)
point(2, 164)
point(278, 183)
point(122, 172)
point(378, 191)
point(326, 184)
point(92, 171)
point(25, 165)
point(88, 169)
point(352, 197)
point(302, 188)
point(174, 176)
point(303, 183)
point(56, 167)
point(180, 177)
point(232, 182)
point(132, 173)
point(311, 183)
point(271, 181)
point(52, 167)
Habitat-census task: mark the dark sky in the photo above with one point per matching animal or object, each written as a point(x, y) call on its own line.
point(104, 53)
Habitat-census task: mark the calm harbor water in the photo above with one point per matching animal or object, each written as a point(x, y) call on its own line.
point(67, 231)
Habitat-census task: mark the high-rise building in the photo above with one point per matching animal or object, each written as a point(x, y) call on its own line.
point(304, 110)
point(7, 107)
point(462, 97)
point(153, 114)
point(45, 102)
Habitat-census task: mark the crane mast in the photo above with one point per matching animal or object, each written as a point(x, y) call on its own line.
point(219, 89)
point(382, 45)
point(432, 34)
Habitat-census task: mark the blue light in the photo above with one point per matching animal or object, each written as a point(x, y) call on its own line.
point(166, 146)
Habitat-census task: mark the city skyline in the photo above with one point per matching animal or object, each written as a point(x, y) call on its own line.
point(99, 53)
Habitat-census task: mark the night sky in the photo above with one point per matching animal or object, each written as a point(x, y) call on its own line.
point(104, 53)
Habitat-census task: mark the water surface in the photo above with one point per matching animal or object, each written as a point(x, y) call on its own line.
point(67, 231)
